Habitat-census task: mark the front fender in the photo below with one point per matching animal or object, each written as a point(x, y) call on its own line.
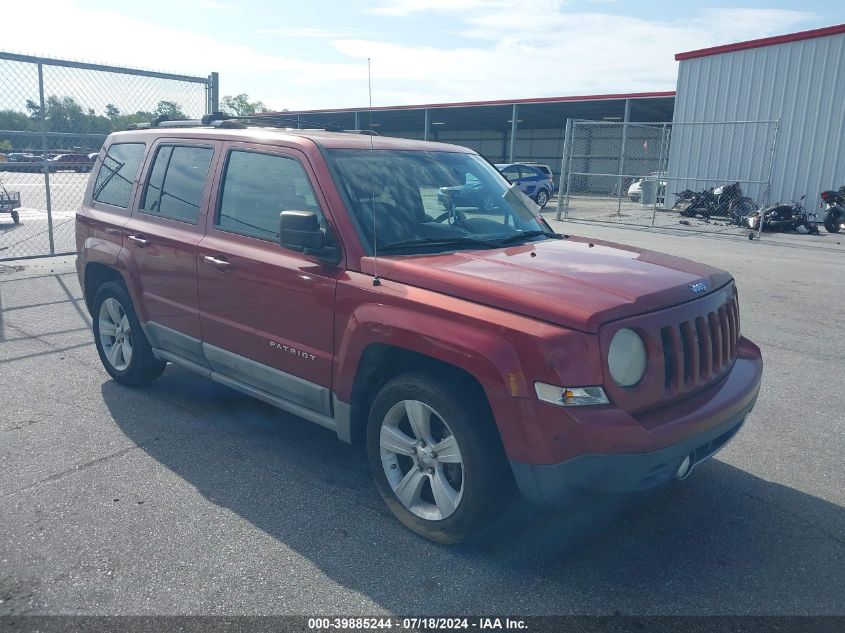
point(490, 358)
point(505, 352)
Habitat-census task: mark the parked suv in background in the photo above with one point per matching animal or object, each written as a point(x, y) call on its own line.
point(468, 351)
point(531, 181)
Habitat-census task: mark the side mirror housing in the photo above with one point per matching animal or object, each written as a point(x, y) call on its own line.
point(300, 231)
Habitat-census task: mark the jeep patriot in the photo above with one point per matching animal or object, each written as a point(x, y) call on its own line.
point(332, 275)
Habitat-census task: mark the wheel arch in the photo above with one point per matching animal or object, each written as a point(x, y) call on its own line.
point(96, 274)
point(380, 362)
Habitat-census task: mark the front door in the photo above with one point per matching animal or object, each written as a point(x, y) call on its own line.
point(162, 236)
point(267, 313)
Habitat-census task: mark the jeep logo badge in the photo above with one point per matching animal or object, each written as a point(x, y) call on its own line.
point(698, 286)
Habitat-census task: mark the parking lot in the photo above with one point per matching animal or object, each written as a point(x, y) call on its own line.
point(31, 236)
point(188, 497)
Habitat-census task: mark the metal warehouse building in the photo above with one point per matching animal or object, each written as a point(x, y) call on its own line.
point(503, 131)
point(767, 113)
point(795, 82)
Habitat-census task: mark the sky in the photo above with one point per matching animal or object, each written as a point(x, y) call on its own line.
point(301, 55)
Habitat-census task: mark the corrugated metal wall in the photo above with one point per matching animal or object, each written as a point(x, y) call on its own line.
point(800, 83)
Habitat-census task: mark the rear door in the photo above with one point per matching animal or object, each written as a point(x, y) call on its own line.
point(162, 236)
point(267, 312)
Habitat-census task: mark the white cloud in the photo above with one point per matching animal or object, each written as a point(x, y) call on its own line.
point(463, 7)
point(307, 32)
point(500, 51)
point(213, 5)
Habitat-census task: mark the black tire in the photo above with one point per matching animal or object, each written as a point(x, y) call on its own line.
point(542, 198)
point(830, 223)
point(143, 367)
point(485, 473)
point(16, 218)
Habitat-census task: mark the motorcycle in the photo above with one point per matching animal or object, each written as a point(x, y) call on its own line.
point(833, 202)
point(784, 218)
point(726, 201)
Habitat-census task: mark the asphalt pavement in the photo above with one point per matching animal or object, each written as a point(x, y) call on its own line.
point(188, 498)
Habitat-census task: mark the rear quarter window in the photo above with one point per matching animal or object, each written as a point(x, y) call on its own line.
point(118, 173)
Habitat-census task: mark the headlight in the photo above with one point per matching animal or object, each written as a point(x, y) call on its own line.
point(626, 358)
point(570, 396)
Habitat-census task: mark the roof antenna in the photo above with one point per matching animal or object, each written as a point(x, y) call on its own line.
point(376, 280)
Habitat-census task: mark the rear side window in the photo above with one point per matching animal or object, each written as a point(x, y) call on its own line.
point(117, 174)
point(177, 179)
point(257, 188)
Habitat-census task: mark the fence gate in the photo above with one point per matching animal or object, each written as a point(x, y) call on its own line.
point(636, 173)
point(54, 114)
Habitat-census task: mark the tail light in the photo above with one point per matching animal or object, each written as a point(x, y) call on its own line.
point(825, 195)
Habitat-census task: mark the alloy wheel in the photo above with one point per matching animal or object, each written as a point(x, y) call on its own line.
point(115, 334)
point(422, 460)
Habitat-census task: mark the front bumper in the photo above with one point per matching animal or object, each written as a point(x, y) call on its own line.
point(586, 475)
point(647, 452)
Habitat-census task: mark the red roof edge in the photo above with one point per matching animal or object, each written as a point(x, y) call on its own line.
point(460, 104)
point(765, 41)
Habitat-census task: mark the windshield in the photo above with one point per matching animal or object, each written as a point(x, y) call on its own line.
point(409, 202)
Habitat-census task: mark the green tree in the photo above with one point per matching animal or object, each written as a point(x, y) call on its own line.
point(111, 111)
point(171, 109)
point(240, 105)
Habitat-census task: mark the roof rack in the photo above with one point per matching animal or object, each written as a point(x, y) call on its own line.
point(231, 121)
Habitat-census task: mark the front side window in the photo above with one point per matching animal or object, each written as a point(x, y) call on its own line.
point(410, 202)
point(257, 187)
point(117, 174)
point(177, 180)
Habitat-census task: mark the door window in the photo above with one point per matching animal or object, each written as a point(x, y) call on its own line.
point(176, 182)
point(117, 174)
point(257, 187)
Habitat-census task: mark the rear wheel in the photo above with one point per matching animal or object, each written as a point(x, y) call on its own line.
point(123, 348)
point(436, 457)
point(16, 218)
point(542, 198)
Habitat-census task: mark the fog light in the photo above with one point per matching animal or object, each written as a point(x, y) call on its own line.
point(570, 396)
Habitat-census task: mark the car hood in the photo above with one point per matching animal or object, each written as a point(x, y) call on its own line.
point(574, 282)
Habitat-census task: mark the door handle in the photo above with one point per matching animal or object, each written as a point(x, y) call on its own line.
point(220, 262)
point(138, 239)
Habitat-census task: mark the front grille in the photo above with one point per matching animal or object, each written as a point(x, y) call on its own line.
point(697, 351)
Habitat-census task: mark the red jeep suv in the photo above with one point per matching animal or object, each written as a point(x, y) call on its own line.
point(469, 348)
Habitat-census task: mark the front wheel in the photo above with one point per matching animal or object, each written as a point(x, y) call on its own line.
point(16, 218)
point(832, 222)
point(436, 457)
point(542, 198)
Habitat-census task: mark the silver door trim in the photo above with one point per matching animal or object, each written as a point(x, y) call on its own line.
point(165, 338)
point(269, 379)
point(285, 391)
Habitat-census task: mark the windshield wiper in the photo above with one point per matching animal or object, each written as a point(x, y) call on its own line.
point(436, 241)
point(527, 235)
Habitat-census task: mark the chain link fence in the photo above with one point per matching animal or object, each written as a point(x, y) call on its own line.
point(54, 117)
point(705, 177)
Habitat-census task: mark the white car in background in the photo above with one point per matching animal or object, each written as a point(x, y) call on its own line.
point(635, 190)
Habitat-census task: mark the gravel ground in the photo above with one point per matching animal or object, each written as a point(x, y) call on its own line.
point(188, 497)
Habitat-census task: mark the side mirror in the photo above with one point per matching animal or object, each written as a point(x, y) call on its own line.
point(300, 231)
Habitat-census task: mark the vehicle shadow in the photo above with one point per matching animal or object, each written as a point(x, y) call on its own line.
point(723, 542)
